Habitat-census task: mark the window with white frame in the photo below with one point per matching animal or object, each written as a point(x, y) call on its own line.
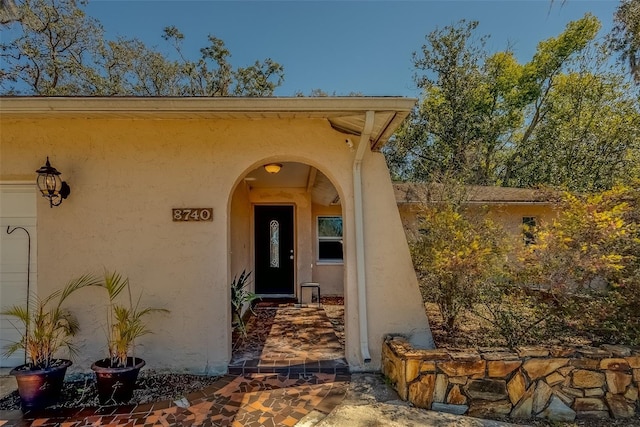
point(330, 239)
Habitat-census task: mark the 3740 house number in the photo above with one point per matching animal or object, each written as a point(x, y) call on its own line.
point(192, 214)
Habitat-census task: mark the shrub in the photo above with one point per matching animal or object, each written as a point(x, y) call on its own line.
point(515, 314)
point(587, 259)
point(454, 255)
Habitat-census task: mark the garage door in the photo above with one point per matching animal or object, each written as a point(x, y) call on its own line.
point(17, 228)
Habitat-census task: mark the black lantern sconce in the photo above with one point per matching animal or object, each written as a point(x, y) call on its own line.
point(50, 184)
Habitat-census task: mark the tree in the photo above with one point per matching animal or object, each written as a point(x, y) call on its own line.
point(625, 36)
point(440, 136)
point(8, 11)
point(53, 48)
point(560, 119)
point(588, 138)
point(213, 75)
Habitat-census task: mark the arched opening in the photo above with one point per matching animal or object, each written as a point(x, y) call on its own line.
point(286, 228)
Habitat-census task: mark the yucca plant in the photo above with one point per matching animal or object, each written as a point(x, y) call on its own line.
point(47, 325)
point(125, 322)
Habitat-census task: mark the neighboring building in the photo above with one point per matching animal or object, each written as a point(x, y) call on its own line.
point(173, 193)
point(512, 208)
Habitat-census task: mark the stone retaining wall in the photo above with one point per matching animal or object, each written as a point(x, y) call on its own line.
point(556, 383)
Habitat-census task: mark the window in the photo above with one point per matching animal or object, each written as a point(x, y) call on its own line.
point(529, 229)
point(274, 244)
point(330, 238)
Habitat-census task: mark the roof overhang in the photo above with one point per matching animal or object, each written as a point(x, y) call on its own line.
point(345, 114)
point(418, 193)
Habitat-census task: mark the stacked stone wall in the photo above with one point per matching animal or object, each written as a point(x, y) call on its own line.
point(556, 383)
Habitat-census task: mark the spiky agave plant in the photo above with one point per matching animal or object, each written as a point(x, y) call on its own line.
point(47, 326)
point(125, 323)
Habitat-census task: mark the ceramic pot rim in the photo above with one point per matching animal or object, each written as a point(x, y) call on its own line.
point(102, 365)
point(23, 370)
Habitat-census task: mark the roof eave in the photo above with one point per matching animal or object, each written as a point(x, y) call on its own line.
point(349, 111)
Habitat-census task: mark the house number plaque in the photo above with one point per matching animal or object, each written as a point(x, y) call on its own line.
point(192, 214)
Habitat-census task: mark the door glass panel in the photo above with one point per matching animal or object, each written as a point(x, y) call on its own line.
point(274, 243)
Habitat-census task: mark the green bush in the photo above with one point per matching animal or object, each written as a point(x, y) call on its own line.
point(454, 255)
point(588, 261)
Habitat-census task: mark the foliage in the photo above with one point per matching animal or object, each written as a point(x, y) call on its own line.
point(625, 37)
point(48, 326)
point(589, 137)
point(438, 137)
point(587, 262)
point(591, 240)
point(454, 256)
point(517, 315)
point(565, 118)
point(52, 48)
point(125, 323)
point(240, 297)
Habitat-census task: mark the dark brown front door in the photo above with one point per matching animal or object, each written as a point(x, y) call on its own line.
point(274, 255)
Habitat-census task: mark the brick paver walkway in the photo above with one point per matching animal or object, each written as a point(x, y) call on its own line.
point(286, 339)
point(297, 366)
point(244, 400)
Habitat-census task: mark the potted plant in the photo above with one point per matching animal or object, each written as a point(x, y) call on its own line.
point(116, 375)
point(46, 328)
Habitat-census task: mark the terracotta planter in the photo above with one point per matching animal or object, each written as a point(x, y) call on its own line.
point(39, 388)
point(115, 385)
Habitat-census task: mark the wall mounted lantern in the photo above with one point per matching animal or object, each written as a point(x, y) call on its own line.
point(273, 167)
point(50, 184)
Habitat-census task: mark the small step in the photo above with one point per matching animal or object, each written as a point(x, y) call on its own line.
point(309, 366)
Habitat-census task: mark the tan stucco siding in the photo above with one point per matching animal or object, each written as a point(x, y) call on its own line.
point(507, 216)
point(392, 287)
point(126, 175)
point(240, 232)
point(510, 217)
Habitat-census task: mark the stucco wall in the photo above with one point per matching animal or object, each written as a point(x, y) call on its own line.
point(240, 233)
point(127, 174)
point(508, 216)
point(393, 297)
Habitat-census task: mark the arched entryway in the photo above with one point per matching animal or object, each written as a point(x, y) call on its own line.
point(286, 228)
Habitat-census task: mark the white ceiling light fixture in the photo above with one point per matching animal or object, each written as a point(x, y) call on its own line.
point(273, 167)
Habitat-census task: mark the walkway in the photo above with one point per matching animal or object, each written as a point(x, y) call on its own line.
point(290, 365)
point(285, 339)
point(245, 400)
point(292, 374)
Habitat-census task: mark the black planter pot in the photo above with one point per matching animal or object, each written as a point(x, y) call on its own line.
point(39, 388)
point(115, 385)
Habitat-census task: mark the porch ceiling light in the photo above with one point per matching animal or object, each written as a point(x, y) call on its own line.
point(273, 167)
point(50, 184)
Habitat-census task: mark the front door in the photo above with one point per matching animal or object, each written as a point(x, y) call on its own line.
point(274, 250)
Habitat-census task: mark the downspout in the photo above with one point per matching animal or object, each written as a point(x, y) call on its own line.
point(359, 219)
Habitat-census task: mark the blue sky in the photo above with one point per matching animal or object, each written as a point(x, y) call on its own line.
point(341, 46)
